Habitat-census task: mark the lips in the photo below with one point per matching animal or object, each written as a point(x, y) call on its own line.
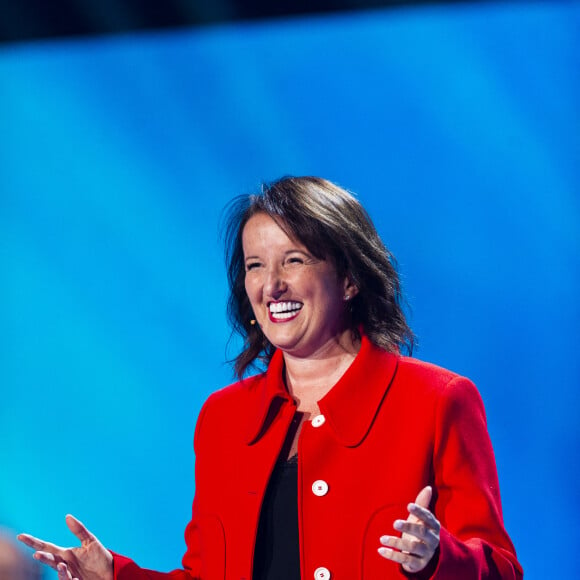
point(284, 311)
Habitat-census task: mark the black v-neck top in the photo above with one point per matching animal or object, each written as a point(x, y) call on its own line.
point(277, 554)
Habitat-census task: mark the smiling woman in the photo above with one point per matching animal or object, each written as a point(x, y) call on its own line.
point(298, 300)
point(344, 458)
point(324, 224)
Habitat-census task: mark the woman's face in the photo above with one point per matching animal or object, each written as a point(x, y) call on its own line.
point(298, 299)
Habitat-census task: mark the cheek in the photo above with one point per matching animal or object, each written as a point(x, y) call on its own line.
point(250, 289)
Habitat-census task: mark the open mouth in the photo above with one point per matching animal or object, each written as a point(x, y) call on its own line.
point(283, 311)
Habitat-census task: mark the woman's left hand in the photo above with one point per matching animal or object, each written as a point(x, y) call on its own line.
point(420, 538)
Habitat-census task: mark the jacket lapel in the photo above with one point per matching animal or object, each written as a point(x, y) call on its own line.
point(352, 404)
point(268, 393)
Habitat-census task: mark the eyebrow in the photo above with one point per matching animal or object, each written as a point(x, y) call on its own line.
point(285, 253)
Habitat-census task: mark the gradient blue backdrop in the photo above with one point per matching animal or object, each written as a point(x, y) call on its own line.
point(456, 126)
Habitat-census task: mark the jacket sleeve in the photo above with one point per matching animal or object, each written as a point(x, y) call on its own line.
point(473, 542)
point(126, 569)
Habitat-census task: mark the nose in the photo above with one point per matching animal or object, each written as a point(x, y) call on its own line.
point(274, 284)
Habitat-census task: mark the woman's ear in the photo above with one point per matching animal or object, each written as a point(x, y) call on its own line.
point(350, 289)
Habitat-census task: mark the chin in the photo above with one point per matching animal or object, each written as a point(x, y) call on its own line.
point(281, 340)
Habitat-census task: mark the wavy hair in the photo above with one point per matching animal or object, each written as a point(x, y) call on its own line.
point(333, 225)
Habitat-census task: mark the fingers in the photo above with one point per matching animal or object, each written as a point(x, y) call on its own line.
point(27, 539)
point(410, 562)
point(78, 529)
point(421, 531)
point(64, 573)
point(424, 496)
point(406, 546)
point(421, 515)
point(420, 535)
point(38, 544)
point(413, 555)
point(74, 525)
point(48, 559)
point(417, 540)
point(46, 553)
point(55, 556)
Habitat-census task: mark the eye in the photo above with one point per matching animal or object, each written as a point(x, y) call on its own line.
point(252, 266)
point(295, 260)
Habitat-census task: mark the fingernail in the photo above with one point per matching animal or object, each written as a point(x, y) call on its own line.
point(398, 524)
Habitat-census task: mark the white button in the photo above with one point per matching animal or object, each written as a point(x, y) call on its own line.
point(320, 487)
point(322, 573)
point(318, 420)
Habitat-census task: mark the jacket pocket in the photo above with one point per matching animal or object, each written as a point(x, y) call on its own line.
point(212, 548)
point(374, 566)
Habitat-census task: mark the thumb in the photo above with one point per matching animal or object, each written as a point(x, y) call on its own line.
point(424, 497)
point(78, 529)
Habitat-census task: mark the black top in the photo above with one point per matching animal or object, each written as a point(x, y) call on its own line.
point(277, 555)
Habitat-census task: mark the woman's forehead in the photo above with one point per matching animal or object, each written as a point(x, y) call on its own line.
point(262, 226)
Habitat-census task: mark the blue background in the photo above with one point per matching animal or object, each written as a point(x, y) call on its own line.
point(456, 126)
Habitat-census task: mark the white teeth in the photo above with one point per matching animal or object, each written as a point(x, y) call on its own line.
point(286, 308)
point(283, 315)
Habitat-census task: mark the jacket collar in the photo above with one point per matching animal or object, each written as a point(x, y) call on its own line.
point(268, 394)
point(349, 407)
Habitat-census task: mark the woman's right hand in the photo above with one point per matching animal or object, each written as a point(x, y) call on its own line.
point(91, 561)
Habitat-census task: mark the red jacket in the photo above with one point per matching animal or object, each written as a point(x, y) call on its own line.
point(390, 426)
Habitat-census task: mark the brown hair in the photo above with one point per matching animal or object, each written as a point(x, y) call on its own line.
point(333, 225)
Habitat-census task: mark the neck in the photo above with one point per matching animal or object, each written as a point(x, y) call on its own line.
point(309, 379)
